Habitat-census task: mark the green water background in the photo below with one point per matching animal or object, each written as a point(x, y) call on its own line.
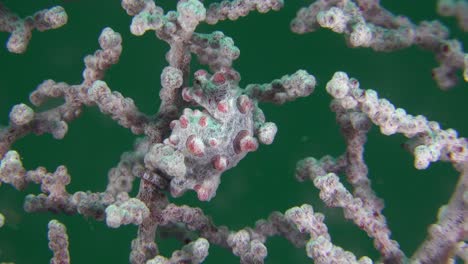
point(264, 181)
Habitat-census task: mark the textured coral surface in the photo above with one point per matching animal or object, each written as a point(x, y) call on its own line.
point(264, 181)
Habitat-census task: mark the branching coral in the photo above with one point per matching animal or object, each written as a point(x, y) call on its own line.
point(208, 121)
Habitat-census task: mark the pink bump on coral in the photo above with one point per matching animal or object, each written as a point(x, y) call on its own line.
point(198, 92)
point(172, 124)
point(174, 139)
point(219, 78)
point(223, 107)
point(200, 74)
point(244, 104)
point(203, 121)
point(195, 145)
point(183, 121)
point(244, 142)
point(203, 193)
point(186, 95)
point(213, 142)
point(220, 163)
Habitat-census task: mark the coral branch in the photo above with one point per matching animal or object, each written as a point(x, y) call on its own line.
point(232, 10)
point(21, 29)
point(450, 228)
point(58, 242)
point(366, 24)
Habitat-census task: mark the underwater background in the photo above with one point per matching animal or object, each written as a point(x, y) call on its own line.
point(263, 181)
